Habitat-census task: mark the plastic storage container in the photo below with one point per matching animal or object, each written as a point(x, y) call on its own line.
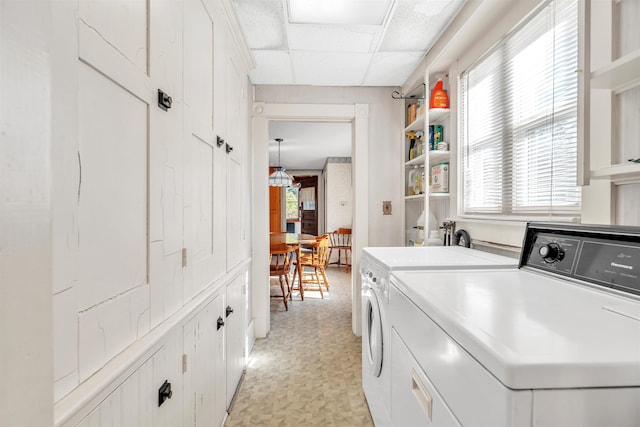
point(440, 177)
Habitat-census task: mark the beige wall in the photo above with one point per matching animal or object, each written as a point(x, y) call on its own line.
point(384, 150)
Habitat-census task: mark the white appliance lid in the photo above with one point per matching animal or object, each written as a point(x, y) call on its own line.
point(531, 331)
point(436, 257)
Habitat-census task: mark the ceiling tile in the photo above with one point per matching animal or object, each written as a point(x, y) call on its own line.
point(417, 23)
point(263, 23)
point(329, 69)
point(325, 38)
point(392, 68)
point(272, 67)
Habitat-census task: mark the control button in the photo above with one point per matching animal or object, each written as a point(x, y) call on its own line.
point(551, 253)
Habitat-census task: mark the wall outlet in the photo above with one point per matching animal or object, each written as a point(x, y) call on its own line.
point(386, 207)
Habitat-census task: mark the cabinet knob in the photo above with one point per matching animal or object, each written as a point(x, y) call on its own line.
point(164, 392)
point(228, 148)
point(220, 323)
point(229, 310)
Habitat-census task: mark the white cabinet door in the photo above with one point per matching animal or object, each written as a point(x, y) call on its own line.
point(166, 161)
point(237, 185)
point(203, 171)
point(234, 334)
point(204, 401)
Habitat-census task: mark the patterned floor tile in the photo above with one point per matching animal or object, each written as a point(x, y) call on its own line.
point(307, 372)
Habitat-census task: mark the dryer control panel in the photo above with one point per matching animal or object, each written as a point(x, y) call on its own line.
point(603, 255)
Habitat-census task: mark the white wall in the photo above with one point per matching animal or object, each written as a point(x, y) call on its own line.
point(339, 190)
point(385, 132)
point(25, 214)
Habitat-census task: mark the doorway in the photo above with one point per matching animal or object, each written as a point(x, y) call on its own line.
point(263, 113)
point(308, 204)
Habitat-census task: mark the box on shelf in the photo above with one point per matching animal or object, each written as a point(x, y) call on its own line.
point(440, 177)
point(411, 113)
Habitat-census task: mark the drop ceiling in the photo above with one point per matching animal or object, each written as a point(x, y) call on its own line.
point(306, 145)
point(341, 42)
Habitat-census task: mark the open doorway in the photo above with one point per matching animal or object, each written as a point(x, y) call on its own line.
point(313, 154)
point(265, 113)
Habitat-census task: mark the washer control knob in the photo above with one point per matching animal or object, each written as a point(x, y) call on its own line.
point(551, 252)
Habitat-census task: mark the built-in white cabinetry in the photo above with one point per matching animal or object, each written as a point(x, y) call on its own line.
point(615, 113)
point(203, 360)
point(151, 212)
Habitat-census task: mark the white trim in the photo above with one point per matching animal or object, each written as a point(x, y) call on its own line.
point(358, 115)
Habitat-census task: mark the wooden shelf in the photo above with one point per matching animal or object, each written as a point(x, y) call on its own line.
point(418, 124)
point(438, 114)
point(418, 161)
point(437, 156)
point(621, 74)
point(619, 174)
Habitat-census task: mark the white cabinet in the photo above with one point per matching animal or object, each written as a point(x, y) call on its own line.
point(203, 366)
point(213, 360)
point(235, 336)
point(216, 174)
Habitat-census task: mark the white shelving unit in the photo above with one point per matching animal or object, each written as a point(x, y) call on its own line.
point(438, 203)
point(614, 84)
point(621, 74)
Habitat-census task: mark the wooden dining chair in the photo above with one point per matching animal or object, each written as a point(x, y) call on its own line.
point(280, 267)
point(314, 261)
point(340, 241)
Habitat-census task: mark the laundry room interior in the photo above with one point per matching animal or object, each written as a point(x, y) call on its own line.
point(333, 213)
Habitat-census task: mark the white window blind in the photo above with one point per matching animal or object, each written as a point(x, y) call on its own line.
point(519, 121)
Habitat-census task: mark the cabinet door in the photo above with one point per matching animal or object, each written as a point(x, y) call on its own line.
point(202, 170)
point(237, 185)
point(204, 369)
point(234, 334)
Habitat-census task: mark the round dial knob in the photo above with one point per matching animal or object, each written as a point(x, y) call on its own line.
point(551, 252)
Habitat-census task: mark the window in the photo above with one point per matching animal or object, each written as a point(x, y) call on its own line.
point(291, 202)
point(519, 121)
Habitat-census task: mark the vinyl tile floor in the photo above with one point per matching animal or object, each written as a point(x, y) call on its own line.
point(307, 372)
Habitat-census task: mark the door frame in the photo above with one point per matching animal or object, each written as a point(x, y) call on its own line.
point(263, 113)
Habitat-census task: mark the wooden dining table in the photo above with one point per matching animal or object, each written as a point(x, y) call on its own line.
point(292, 239)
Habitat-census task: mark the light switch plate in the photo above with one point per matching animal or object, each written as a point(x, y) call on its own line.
point(386, 207)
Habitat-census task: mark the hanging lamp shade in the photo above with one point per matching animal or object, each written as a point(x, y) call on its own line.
point(279, 178)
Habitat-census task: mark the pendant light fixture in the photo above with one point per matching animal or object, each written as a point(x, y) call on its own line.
point(279, 177)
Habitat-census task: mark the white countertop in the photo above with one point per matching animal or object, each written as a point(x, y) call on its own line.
point(532, 331)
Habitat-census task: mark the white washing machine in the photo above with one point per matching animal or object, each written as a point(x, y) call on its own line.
point(554, 343)
point(377, 264)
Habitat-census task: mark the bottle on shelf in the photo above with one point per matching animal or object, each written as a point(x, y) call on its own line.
point(412, 145)
point(420, 143)
point(439, 97)
point(411, 181)
point(431, 136)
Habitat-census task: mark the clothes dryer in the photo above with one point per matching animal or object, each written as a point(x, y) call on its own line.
point(554, 343)
point(377, 265)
